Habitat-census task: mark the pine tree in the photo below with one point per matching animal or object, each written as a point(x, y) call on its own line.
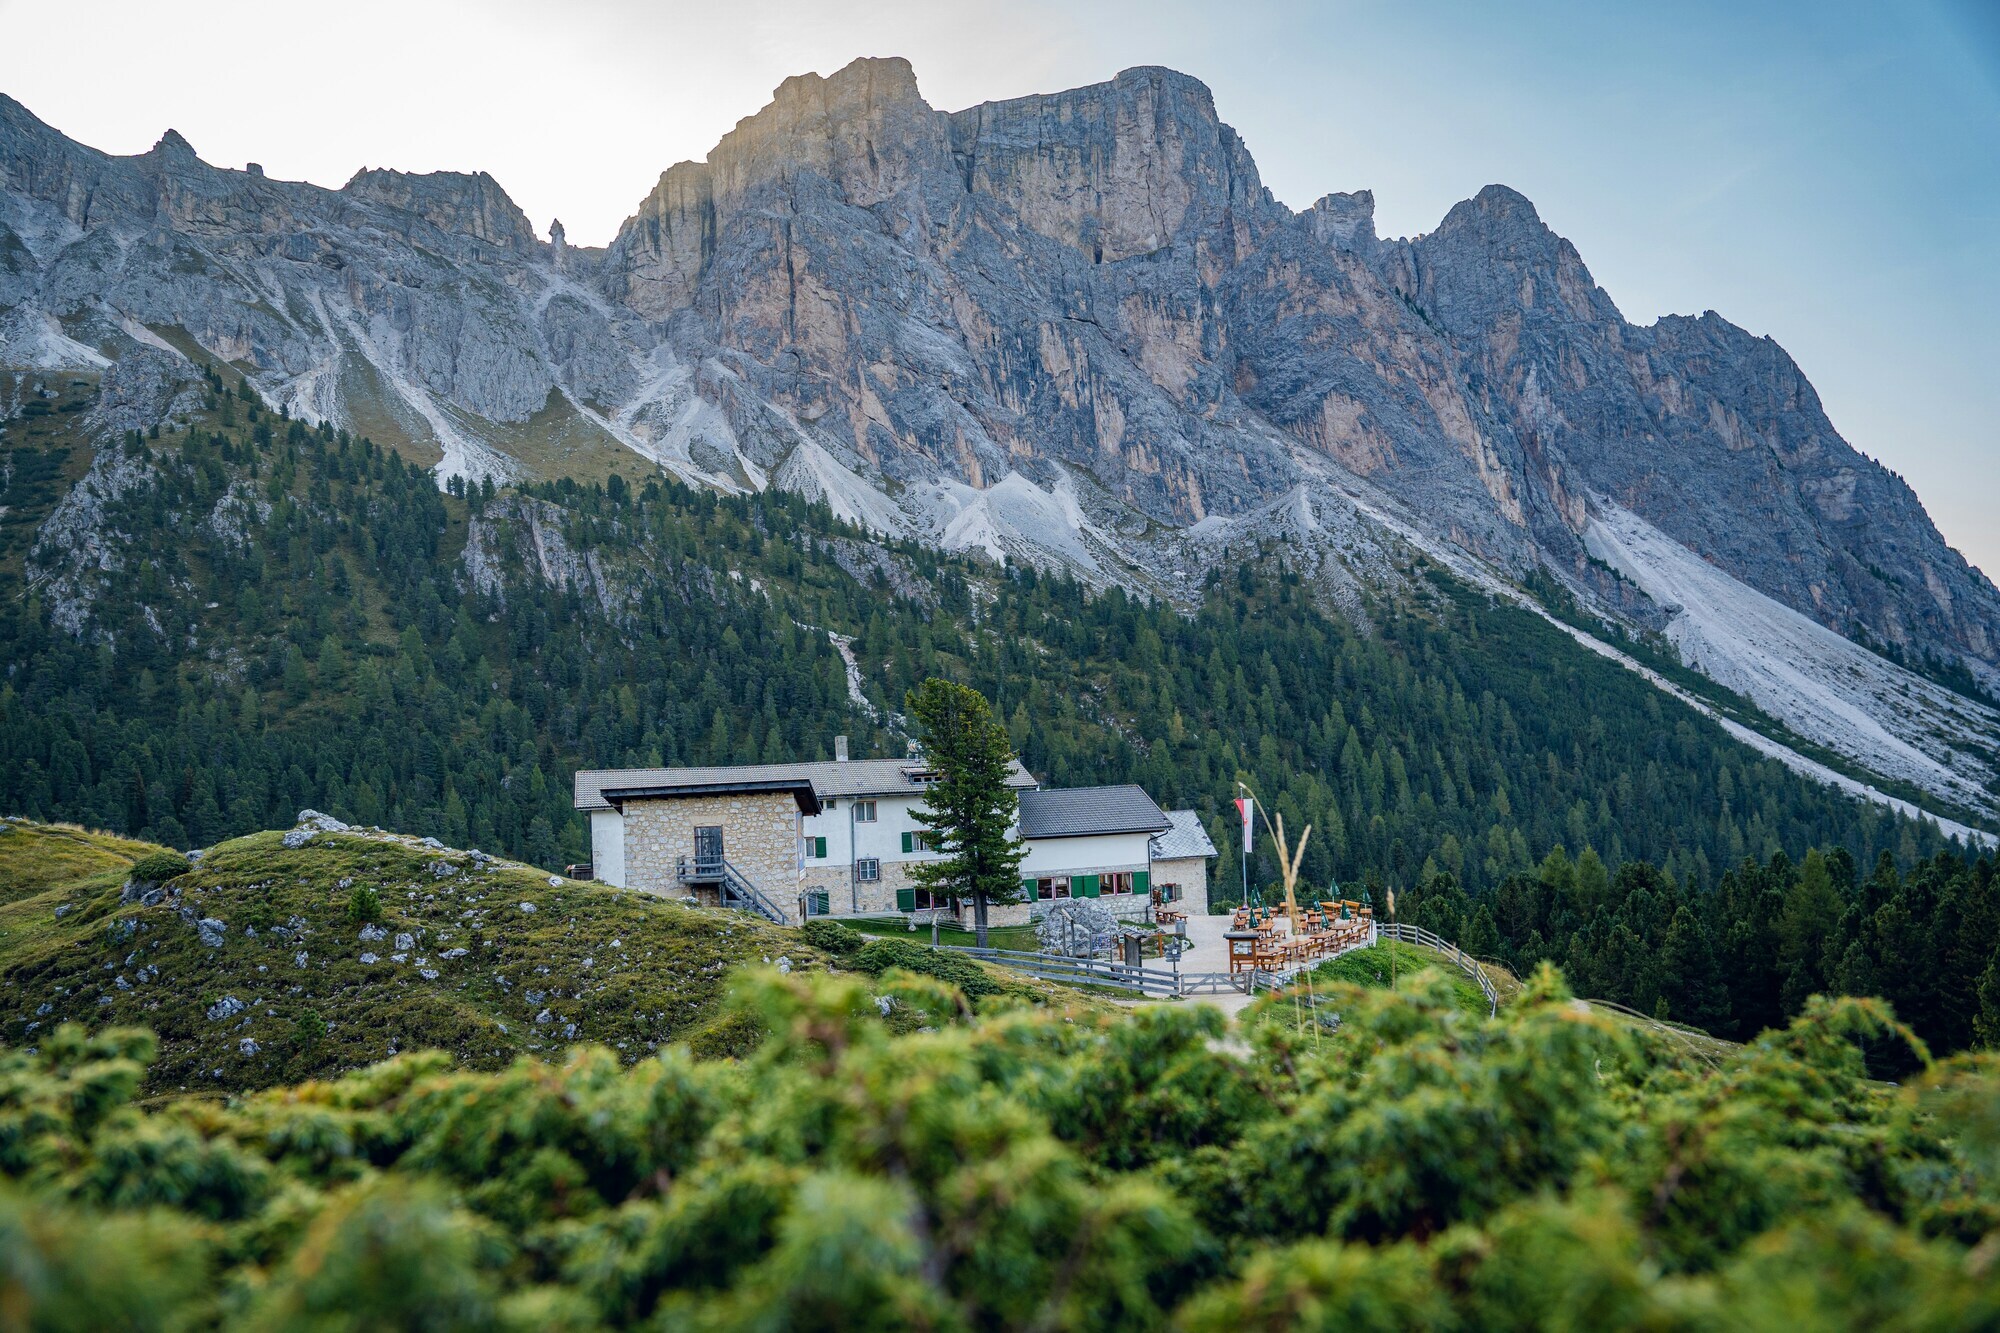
point(1987, 1025)
point(969, 812)
point(1813, 911)
point(1692, 980)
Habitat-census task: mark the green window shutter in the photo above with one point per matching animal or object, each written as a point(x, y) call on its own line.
point(819, 848)
point(906, 841)
point(1086, 885)
point(906, 900)
point(1028, 889)
point(1142, 881)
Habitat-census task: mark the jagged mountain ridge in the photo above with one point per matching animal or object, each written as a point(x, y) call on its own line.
point(1071, 327)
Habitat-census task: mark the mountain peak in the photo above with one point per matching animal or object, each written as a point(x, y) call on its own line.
point(868, 85)
point(1476, 260)
point(1344, 221)
point(1497, 209)
point(1162, 76)
point(172, 144)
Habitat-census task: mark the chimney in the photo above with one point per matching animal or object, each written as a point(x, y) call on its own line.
point(840, 749)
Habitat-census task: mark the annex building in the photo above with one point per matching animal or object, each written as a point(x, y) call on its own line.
point(839, 837)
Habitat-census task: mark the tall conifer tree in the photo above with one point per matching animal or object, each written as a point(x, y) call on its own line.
point(969, 812)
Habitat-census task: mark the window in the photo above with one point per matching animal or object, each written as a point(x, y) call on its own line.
point(864, 812)
point(1056, 886)
point(816, 849)
point(1118, 881)
point(1170, 893)
point(917, 841)
point(867, 869)
point(925, 900)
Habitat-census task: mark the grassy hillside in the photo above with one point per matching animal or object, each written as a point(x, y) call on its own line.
point(267, 963)
point(1373, 968)
point(483, 977)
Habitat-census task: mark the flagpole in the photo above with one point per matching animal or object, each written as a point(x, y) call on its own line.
point(1244, 804)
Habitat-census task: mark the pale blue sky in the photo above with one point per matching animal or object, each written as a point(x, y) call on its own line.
point(1825, 173)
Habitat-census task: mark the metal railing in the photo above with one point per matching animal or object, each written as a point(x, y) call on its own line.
point(1462, 960)
point(1086, 971)
point(737, 889)
point(1143, 980)
point(1160, 981)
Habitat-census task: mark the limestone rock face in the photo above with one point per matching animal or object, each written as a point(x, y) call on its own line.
point(1072, 328)
point(1114, 170)
point(409, 303)
point(1344, 221)
point(452, 202)
point(148, 386)
point(1709, 433)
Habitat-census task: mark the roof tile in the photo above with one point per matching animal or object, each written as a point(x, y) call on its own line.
point(1074, 812)
point(1187, 838)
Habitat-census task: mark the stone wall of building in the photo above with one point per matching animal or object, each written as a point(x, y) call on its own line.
point(1003, 914)
point(1124, 906)
point(877, 897)
point(1191, 873)
point(760, 837)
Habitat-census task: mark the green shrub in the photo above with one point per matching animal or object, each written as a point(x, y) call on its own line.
point(878, 956)
point(832, 937)
point(1417, 1167)
point(159, 867)
point(364, 905)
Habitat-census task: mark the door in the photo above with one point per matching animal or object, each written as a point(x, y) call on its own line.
point(708, 848)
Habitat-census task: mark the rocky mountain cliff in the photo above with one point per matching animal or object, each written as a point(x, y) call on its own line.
point(1071, 328)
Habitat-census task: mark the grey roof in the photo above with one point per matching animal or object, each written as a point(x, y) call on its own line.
point(1187, 838)
point(829, 778)
point(616, 792)
point(1076, 812)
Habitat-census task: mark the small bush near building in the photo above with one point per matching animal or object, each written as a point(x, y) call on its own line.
point(832, 937)
point(878, 956)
